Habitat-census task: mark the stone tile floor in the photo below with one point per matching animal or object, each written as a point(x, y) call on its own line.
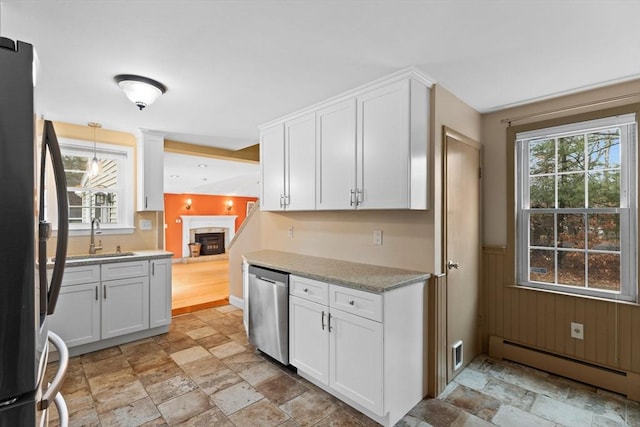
point(205, 373)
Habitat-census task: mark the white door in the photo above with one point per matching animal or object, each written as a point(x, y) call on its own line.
point(308, 338)
point(355, 353)
point(159, 292)
point(272, 166)
point(462, 248)
point(300, 161)
point(336, 155)
point(125, 306)
point(383, 147)
point(77, 316)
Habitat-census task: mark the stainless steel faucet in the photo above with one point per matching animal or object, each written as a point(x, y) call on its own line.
point(95, 229)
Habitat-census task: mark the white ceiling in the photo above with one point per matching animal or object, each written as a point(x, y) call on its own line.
point(232, 65)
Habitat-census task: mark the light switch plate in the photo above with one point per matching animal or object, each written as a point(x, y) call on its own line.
point(377, 237)
point(146, 224)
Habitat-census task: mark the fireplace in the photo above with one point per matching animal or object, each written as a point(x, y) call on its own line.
point(212, 243)
point(192, 224)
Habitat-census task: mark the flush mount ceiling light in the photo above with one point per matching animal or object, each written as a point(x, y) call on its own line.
point(142, 91)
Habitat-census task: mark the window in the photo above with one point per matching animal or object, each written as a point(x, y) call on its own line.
point(106, 194)
point(576, 207)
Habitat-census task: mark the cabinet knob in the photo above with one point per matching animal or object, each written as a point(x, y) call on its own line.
point(352, 302)
point(306, 290)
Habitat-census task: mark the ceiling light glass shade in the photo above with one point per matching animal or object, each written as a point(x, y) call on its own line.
point(142, 91)
point(95, 166)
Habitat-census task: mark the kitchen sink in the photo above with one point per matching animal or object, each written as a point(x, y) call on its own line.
point(100, 255)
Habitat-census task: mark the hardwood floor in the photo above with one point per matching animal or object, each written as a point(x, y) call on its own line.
point(199, 285)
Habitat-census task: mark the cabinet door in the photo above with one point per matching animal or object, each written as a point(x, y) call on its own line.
point(272, 167)
point(77, 316)
point(300, 158)
point(159, 292)
point(383, 147)
point(355, 354)
point(336, 156)
point(308, 338)
point(150, 172)
point(125, 306)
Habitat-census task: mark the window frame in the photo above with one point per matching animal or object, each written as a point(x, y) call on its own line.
point(518, 229)
point(125, 224)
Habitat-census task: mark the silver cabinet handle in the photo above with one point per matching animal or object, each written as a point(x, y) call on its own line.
point(56, 384)
point(146, 200)
point(104, 289)
point(281, 201)
point(359, 196)
point(153, 268)
point(452, 264)
point(351, 198)
point(330, 328)
point(322, 320)
point(96, 292)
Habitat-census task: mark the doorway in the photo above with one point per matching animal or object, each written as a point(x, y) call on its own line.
point(462, 249)
point(199, 285)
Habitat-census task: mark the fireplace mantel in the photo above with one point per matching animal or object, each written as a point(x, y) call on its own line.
point(228, 222)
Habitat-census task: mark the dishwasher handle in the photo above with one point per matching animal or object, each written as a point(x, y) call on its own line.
point(272, 282)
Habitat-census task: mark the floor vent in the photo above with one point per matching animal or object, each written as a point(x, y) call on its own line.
point(623, 382)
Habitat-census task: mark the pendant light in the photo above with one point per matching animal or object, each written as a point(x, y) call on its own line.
point(95, 163)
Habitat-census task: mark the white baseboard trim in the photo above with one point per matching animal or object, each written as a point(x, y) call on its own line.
point(236, 302)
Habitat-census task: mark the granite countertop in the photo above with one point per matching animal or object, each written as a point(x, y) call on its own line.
point(367, 277)
point(108, 258)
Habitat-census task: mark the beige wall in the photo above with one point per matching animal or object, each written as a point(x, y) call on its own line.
point(537, 318)
point(151, 239)
point(409, 238)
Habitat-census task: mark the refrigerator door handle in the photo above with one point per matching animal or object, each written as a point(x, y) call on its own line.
point(50, 140)
point(63, 411)
point(52, 392)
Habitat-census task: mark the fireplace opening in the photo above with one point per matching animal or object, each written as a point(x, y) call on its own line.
point(212, 243)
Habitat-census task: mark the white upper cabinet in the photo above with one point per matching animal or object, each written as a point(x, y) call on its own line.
point(287, 158)
point(272, 168)
point(383, 155)
point(371, 150)
point(336, 156)
point(300, 160)
point(151, 172)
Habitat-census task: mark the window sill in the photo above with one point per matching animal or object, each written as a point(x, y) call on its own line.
point(574, 295)
point(104, 231)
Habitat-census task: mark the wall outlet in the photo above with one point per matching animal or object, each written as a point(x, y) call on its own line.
point(577, 331)
point(377, 237)
point(146, 224)
point(290, 232)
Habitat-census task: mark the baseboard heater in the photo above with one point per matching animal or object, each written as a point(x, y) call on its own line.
point(622, 382)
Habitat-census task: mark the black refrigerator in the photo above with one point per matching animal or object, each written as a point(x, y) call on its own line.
point(29, 286)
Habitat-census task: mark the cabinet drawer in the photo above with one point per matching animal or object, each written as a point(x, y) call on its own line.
point(123, 270)
point(309, 289)
point(360, 303)
point(80, 275)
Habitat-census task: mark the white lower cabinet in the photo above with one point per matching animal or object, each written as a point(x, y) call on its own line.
point(159, 292)
point(355, 357)
point(125, 306)
point(365, 348)
point(99, 302)
point(77, 316)
point(309, 338)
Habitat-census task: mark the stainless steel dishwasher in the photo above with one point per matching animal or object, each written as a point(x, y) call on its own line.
point(269, 312)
